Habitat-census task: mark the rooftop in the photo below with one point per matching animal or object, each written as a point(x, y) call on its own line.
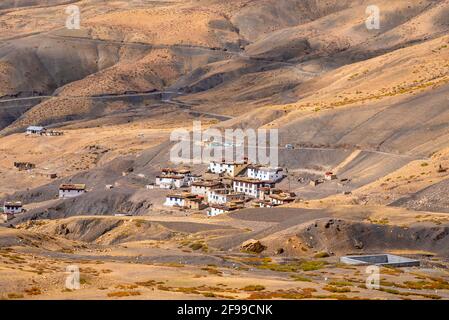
point(266, 169)
point(184, 195)
point(171, 176)
point(13, 203)
point(36, 128)
point(253, 181)
point(208, 183)
point(175, 171)
point(72, 187)
point(283, 196)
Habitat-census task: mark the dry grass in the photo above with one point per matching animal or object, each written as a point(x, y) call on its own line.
point(121, 294)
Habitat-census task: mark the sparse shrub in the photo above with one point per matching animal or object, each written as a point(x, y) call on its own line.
point(335, 289)
point(120, 294)
point(254, 288)
point(322, 255)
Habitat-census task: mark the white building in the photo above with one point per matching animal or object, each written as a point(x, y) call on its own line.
point(222, 196)
point(330, 176)
point(175, 178)
point(184, 200)
point(36, 130)
point(71, 190)
point(12, 208)
point(175, 200)
point(201, 188)
point(282, 198)
point(231, 169)
point(172, 181)
point(250, 186)
point(263, 204)
point(217, 209)
point(265, 173)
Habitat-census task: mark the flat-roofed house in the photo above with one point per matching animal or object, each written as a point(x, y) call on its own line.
point(174, 178)
point(184, 200)
point(231, 169)
point(265, 173)
point(282, 198)
point(195, 204)
point(12, 207)
point(36, 130)
point(222, 196)
point(71, 190)
point(217, 209)
point(172, 181)
point(330, 176)
point(263, 204)
point(250, 186)
point(201, 188)
point(265, 192)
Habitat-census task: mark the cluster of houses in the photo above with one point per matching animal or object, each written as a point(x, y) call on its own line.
point(328, 176)
point(233, 186)
point(66, 191)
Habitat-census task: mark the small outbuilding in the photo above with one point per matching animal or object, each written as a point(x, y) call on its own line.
point(12, 207)
point(36, 130)
point(71, 190)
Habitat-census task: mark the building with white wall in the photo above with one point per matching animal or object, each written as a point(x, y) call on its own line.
point(222, 196)
point(71, 190)
point(35, 130)
point(231, 169)
point(12, 207)
point(265, 173)
point(249, 186)
point(330, 176)
point(201, 188)
point(282, 198)
point(172, 181)
point(217, 209)
point(176, 178)
point(184, 200)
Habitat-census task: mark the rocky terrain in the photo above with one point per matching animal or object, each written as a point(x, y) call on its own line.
point(368, 105)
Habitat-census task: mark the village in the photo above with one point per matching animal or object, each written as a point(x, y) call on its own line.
point(224, 187)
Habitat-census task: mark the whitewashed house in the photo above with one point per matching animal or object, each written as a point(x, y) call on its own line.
point(184, 200)
point(201, 188)
point(172, 181)
point(231, 169)
point(12, 207)
point(330, 176)
point(217, 209)
point(35, 130)
point(175, 200)
point(263, 204)
point(250, 187)
point(175, 178)
point(282, 198)
point(71, 190)
point(222, 196)
point(265, 173)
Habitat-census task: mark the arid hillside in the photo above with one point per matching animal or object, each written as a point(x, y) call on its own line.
point(366, 107)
